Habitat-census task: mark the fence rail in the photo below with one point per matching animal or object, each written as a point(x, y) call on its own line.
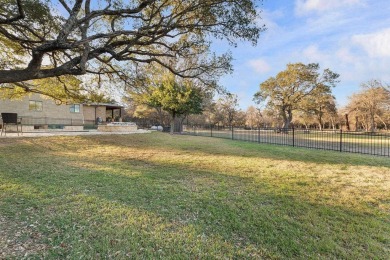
point(55, 122)
point(335, 140)
point(52, 121)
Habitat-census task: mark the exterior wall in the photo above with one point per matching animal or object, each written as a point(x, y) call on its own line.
point(53, 116)
point(93, 112)
point(49, 110)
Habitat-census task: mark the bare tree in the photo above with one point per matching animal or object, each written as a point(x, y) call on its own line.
point(370, 104)
point(253, 117)
point(227, 106)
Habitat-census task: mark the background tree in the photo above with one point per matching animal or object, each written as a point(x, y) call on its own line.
point(239, 118)
point(227, 105)
point(303, 119)
point(209, 115)
point(331, 114)
point(109, 39)
point(147, 116)
point(370, 106)
point(320, 105)
point(253, 117)
point(177, 97)
point(285, 92)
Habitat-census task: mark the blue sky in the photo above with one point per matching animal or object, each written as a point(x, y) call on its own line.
point(350, 37)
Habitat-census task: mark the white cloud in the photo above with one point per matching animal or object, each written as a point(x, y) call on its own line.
point(376, 44)
point(269, 19)
point(307, 6)
point(259, 65)
point(313, 54)
point(344, 55)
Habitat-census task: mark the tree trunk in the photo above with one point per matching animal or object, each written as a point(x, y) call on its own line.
point(173, 123)
point(181, 123)
point(332, 122)
point(347, 122)
point(356, 123)
point(320, 123)
point(372, 123)
point(160, 115)
point(383, 122)
point(287, 118)
point(320, 120)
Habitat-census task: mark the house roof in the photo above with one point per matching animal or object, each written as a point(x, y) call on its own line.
point(107, 105)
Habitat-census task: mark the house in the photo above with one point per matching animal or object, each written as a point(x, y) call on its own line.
point(39, 112)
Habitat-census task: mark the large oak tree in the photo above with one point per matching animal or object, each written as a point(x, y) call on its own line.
point(110, 38)
point(288, 90)
point(177, 97)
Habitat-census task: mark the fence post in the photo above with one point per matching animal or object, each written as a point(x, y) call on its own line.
point(341, 140)
point(258, 134)
point(211, 130)
point(293, 130)
point(232, 133)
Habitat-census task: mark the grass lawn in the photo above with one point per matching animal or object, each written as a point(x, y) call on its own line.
point(161, 196)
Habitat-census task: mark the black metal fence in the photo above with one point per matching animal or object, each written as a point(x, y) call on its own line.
point(336, 140)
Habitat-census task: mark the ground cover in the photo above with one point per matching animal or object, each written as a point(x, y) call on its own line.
point(162, 196)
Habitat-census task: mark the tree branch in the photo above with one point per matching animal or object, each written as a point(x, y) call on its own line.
point(19, 16)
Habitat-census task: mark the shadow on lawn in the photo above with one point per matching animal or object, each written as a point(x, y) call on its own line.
point(219, 147)
point(242, 216)
point(225, 147)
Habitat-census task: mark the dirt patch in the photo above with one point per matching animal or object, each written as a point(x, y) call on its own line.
point(19, 239)
point(4, 142)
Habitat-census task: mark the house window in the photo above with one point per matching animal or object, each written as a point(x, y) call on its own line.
point(75, 108)
point(35, 105)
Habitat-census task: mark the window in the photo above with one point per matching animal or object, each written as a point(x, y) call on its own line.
point(75, 108)
point(35, 105)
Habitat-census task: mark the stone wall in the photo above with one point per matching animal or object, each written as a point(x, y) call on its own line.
point(117, 128)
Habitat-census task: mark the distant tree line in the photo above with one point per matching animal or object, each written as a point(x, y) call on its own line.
point(300, 96)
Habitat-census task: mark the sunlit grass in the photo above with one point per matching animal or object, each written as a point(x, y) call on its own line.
point(162, 196)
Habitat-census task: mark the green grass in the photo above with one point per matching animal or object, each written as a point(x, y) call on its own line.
point(159, 196)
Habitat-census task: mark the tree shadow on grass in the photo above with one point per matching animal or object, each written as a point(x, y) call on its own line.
point(163, 206)
point(216, 147)
point(225, 147)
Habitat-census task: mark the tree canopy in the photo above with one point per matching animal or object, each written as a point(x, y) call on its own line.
point(370, 106)
point(290, 88)
point(108, 39)
point(227, 108)
point(176, 97)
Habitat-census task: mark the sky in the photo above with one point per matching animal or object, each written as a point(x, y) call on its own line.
point(350, 37)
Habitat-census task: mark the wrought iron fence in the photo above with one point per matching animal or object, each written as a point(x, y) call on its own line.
point(336, 140)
